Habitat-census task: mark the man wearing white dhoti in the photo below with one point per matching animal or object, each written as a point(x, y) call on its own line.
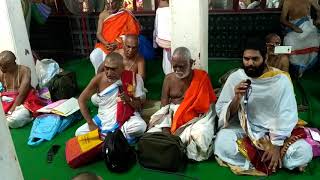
point(119, 95)
point(257, 117)
point(162, 34)
point(187, 107)
point(302, 34)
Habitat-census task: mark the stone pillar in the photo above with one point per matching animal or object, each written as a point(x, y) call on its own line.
point(14, 35)
point(190, 28)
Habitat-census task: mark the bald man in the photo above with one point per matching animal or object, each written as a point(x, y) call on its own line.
point(15, 86)
point(132, 60)
point(119, 95)
point(187, 106)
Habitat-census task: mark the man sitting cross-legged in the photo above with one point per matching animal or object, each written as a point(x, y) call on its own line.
point(187, 106)
point(258, 117)
point(119, 95)
point(15, 85)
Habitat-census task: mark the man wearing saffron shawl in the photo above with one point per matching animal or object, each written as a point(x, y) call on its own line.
point(114, 23)
point(187, 106)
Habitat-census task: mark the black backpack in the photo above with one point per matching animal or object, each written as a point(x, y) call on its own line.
point(63, 86)
point(118, 155)
point(162, 151)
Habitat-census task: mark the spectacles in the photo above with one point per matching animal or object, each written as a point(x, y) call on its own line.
point(274, 44)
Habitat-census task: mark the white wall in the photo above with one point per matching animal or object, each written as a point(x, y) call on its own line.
point(9, 164)
point(14, 36)
point(190, 28)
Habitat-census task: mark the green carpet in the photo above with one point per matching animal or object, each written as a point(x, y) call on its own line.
point(33, 159)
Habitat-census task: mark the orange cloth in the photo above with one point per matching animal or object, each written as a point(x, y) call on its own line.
point(197, 100)
point(116, 25)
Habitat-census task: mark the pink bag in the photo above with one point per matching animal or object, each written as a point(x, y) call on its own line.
point(314, 144)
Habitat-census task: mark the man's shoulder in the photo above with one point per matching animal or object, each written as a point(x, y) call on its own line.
point(24, 69)
point(140, 58)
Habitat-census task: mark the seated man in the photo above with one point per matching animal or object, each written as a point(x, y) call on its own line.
point(187, 106)
point(119, 95)
point(256, 119)
point(15, 85)
point(302, 34)
point(280, 61)
point(113, 23)
point(132, 60)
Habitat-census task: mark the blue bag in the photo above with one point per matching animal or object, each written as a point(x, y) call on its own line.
point(46, 126)
point(146, 48)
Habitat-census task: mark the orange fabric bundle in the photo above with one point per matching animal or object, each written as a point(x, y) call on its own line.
point(82, 149)
point(116, 25)
point(198, 98)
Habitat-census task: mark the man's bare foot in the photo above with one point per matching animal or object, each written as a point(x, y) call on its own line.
point(302, 168)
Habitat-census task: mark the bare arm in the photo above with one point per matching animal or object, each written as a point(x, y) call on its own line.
point(102, 17)
point(165, 92)
point(23, 89)
point(85, 96)
point(141, 67)
point(316, 6)
point(285, 63)
point(284, 20)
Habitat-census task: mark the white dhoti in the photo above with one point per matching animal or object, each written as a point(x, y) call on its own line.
point(226, 148)
point(97, 56)
point(162, 33)
point(19, 117)
point(305, 45)
point(197, 134)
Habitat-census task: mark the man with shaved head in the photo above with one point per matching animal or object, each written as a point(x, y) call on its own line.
point(132, 60)
point(15, 86)
point(118, 94)
point(187, 106)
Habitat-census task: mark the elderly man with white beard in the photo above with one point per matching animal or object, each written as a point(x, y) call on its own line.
point(187, 106)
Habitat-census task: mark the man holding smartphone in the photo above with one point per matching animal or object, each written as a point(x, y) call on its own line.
point(280, 61)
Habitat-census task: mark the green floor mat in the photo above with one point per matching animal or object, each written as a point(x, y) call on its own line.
point(33, 159)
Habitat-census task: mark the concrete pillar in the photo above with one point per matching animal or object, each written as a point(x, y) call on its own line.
point(14, 36)
point(190, 28)
point(9, 164)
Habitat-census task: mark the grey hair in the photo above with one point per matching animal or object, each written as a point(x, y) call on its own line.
point(114, 56)
point(182, 52)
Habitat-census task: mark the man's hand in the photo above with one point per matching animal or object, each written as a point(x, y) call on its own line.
point(297, 29)
point(111, 46)
point(12, 109)
point(92, 126)
point(124, 97)
point(272, 155)
point(240, 89)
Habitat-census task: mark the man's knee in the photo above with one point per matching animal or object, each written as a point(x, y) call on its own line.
point(225, 143)
point(84, 129)
point(135, 127)
point(298, 154)
point(20, 117)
